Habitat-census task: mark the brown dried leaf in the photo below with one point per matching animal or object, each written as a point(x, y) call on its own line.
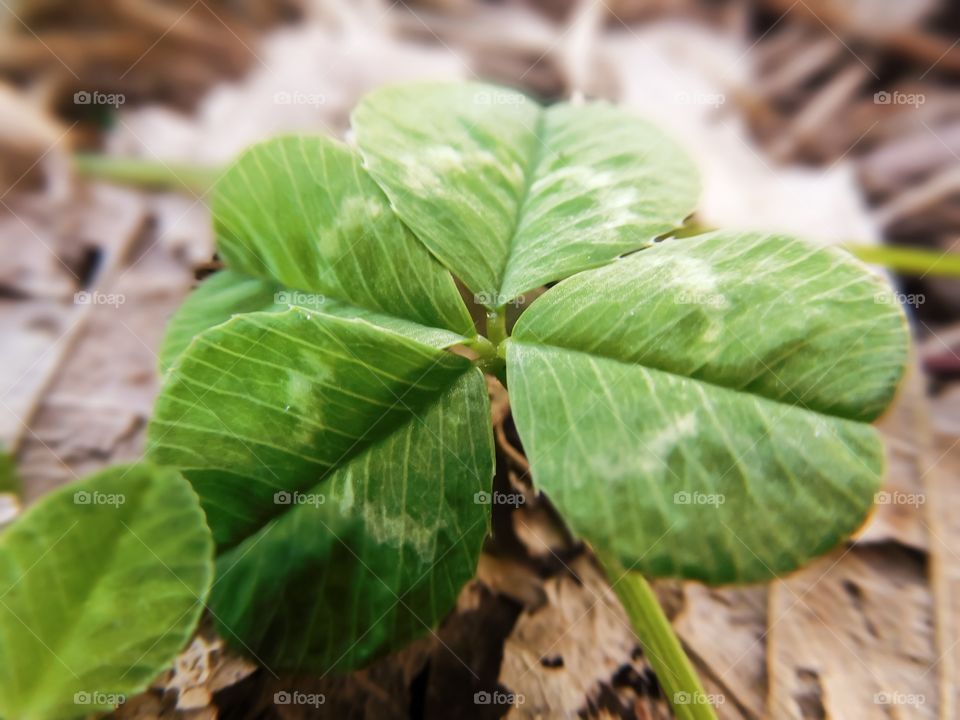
point(852, 637)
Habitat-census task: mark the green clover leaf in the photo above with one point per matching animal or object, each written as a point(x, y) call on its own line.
point(696, 407)
point(101, 584)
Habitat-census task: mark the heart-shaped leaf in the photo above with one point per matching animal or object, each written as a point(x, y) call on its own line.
point(228, 293)
point(376, 554)
point(338, 463)
point(698, 408)
point(101, 585)
point(302, 212)
point(510, 195)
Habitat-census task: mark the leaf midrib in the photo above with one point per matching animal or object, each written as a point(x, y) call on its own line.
point(361, 445)
point(534, 160)
point(462, 319)
point(606, 356)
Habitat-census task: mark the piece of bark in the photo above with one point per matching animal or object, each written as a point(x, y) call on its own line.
point(851, 636)
point(512, 578)
point(941, 470)
point(934, 190)
point(42, 331)
point(37, 337)
point(797, 68)
point(819, 110)
point(37, 263)
point(183, 224)
point(900, 505)
point(912, 154)
point(725, 631)
point(877, 20)
point(577, 653)
point(96, 406)
point(34, 146)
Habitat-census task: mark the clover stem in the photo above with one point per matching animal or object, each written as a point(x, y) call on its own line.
point(660, 644)
point(909, 261)
point(485, 349)
point(494, 366)
point(497, 325)
point(195, 179)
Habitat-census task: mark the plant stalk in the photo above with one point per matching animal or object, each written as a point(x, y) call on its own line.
point(497, 325)
point(195, 179)
point(485, 349)
point(909, 261)
point(496, 367)
point(660, 644)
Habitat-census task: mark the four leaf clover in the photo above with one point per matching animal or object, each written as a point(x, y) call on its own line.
point(695, 407)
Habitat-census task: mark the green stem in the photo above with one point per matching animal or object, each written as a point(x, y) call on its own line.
point(496, 367)
point(497, 325)
point(196, 179)
point(9, 480)
point(660, 644)
point(484, 349)
point(910, 261)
